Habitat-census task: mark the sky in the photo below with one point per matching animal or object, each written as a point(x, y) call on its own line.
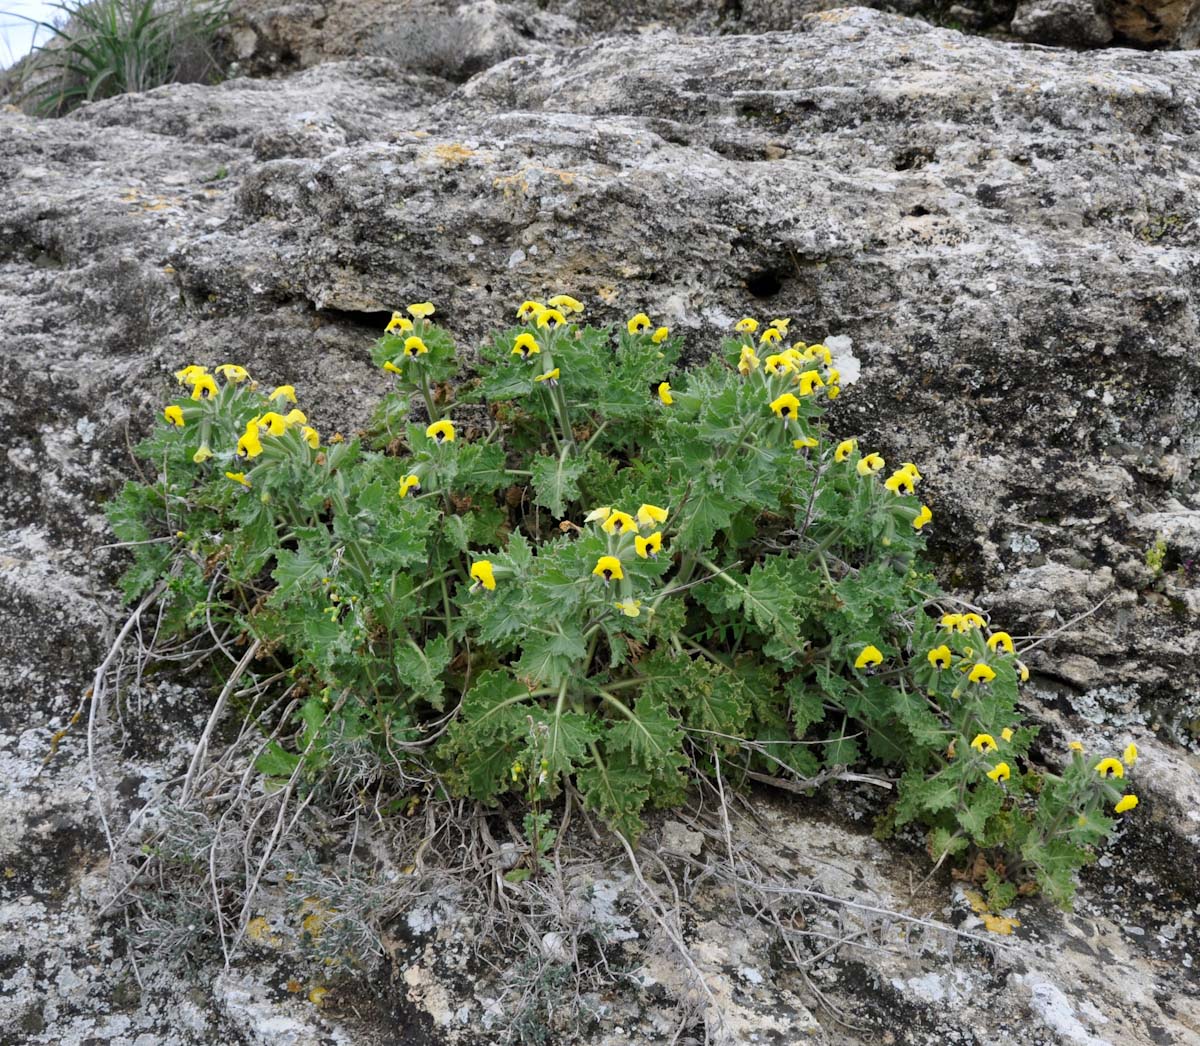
point(17, 35)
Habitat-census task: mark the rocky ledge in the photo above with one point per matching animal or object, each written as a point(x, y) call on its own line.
point(1003, 238)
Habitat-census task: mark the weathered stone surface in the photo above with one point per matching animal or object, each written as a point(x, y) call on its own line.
point(1064, 22)
point(1000, 241)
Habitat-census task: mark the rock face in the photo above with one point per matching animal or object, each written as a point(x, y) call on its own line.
point(1003, 239)
point(462, 38)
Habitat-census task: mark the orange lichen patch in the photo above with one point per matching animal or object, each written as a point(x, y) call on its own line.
point(293, 986)
point(315, 916)
point(519, 181)
point(453, 154)
point(258, 929)
point(999, 924)
point(976, 901)
point(992, 923)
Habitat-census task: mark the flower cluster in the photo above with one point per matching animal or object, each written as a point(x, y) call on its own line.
point(625, 537)
point(217, 414)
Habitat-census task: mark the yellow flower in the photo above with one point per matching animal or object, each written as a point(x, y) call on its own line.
point(648, 546)
point(923, 517)
point(391, 368)
point(778, 364)
point(952, 622)
point(295, 417)
point(174, 415)
point(781, 325)
point(820, 352)
point(834, 375)
point(981, 673)
point(203, 383)
point(530, 308)
point(238, 477)
point(310, 436)
point(869, 465)
point(550, 376)
point(232, 372)
point(984, 743)
point(1000, 640)
point(546, 315)
point(939, 657)
point(1022, 672)
point(517, 770)
point(598, 514)
point(398, 322)
point(481, 571)
point(869, 658)
point(609, 568)
point(202, 455)
point(660, 335)
point(748, 361)
point(421, 310)
point(770, 336)
point(664, 393)
point(1006, 734)
point(809, 380)
point(190, 373)
point(746, 325)
point(1110, 766)
point(804, 442)
point(637, 324)
point(911, 469)
point(410, 482)
point(1129, 756)
point(275, 423)
point(414, 347)
point(971, 621)
point(250, 445)
point(1075, 746)
point(1000, 772)
point(442, 431)
point(525, 346)
point(899, 482)
point(648, 515)
point(785, 406)
point(1126, 804)
point(845, 449)
point(288, 392)
point(565, 301)
point(629, 607)
point(618, 522)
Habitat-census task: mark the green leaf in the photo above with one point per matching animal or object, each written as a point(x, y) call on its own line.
point(556, 482)
point(298, 573)
point(806, 705)
point(276, 761)
point(549, 659)
point(568, 736)
point(650, 735)
point(420, 668)
point(617, 790)
point(982, 803)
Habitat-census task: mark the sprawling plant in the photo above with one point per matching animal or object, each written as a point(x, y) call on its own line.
point(619, 573)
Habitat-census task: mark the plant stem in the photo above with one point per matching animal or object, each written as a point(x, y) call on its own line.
point(560, 405)
point(426, 395)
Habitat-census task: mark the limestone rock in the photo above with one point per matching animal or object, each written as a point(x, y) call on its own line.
point(1078, 23)
point(1001, 241)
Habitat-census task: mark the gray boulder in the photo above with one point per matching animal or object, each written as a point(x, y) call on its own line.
point(999, 241)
